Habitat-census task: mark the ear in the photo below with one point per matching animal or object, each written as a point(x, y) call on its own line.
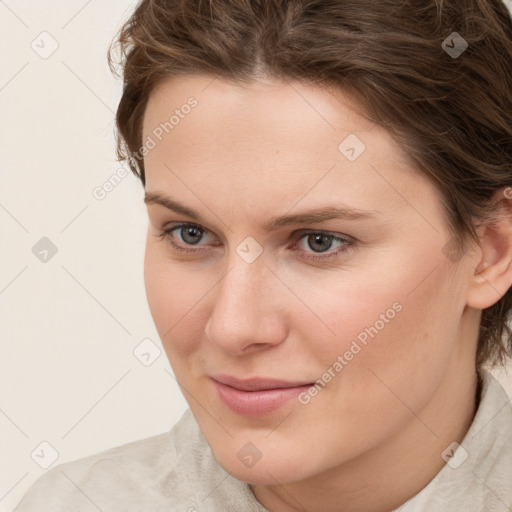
point(493, 272)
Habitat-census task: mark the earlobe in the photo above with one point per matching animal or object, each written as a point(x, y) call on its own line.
point(493, 272)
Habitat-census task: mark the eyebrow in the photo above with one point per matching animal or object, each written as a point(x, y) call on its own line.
point(308, 217)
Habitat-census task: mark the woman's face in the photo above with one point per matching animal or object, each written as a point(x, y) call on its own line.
point(374, 314)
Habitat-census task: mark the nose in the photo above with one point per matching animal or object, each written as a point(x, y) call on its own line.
point(247, 309)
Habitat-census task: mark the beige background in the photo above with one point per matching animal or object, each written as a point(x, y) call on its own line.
point(70, 324)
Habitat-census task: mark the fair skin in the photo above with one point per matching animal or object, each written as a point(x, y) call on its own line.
point(373, 436)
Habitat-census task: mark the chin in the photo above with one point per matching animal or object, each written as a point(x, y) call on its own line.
point(268, 470)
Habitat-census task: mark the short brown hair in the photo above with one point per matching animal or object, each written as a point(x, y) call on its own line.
point(451, 113)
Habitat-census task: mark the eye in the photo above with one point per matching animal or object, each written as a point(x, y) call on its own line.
point(323, 241)
point(319, 241)
point(190, 234)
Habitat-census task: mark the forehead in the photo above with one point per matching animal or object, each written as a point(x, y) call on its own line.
point(276, 139)
point(263, 108)
point(262, 117)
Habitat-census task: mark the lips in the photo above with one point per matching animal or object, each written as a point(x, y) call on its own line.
point(256, 396)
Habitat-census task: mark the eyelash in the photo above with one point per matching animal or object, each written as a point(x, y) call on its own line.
point(167, 234)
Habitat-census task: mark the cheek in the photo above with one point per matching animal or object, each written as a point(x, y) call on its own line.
point(407, 306)
point(392, 363)
point(175, 296)
point(166, 293)
point(353, 310)
point(398, 325)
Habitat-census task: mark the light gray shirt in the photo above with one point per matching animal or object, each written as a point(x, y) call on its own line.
point(177, 472)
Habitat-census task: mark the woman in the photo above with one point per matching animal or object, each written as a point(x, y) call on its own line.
point(328, 259)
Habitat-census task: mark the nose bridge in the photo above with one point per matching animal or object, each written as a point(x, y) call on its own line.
point(244, 312)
